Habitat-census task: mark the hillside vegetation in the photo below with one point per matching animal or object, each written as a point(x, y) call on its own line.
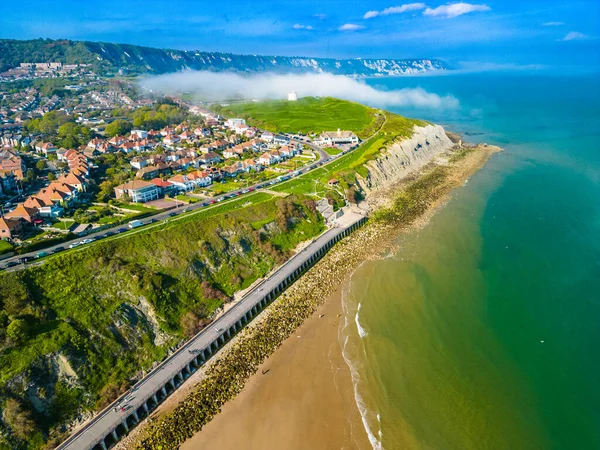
point(77, 330)
point(307, 115)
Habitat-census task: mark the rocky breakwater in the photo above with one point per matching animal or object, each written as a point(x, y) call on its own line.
point(405, 157)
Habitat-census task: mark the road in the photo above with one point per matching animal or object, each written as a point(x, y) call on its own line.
point(19, 261)
point(107, 420)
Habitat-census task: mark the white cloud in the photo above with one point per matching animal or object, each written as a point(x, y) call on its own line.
point(212, 86)
point(350, 27)
point(455, 10)
point(299, 26)
point(320, 16)
point(574, 36)
point(394, 10)
point(553, 24)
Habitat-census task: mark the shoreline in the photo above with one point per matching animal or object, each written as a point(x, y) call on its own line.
point(431, 188)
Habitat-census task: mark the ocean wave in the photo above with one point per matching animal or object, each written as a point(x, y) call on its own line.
point(361, 330)
point(367, 416)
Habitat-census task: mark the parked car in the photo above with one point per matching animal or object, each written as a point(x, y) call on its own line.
point(172, 214)
point(58, 249)
point(12, 264)
point(41, 254)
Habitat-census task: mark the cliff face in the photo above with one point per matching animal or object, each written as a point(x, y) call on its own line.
point(108, 58)
point(403, 158)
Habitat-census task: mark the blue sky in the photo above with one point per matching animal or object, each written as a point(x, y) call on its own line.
point(509, 34)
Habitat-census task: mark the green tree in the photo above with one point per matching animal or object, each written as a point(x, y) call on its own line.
point(118, 127)
point(40, 165)
point(30, 176)
point(51, 176)
point(18, 418)
point(17, 331)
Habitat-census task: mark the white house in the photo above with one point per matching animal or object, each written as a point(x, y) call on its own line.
point(339, 137)
point(233, 123)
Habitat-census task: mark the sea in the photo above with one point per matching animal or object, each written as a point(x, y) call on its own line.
point(481, 330)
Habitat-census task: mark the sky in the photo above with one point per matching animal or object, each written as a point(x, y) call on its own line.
point(492, 35)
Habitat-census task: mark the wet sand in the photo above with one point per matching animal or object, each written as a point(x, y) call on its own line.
point(304, 400)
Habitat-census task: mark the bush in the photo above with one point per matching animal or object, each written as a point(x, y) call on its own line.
point(17, 331)
point(18, 418)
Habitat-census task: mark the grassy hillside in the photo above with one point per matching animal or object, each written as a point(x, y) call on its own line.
point(307, 115)
point(63, 323)
point(344, 170)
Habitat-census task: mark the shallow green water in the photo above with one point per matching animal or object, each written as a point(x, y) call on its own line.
point(482, 331)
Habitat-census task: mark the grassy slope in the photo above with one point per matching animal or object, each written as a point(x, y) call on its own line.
point(85, 304)
point(307, 115)
point(346, 167)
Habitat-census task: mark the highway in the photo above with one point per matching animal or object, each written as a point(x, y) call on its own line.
point(18, 262)
point(106, 421)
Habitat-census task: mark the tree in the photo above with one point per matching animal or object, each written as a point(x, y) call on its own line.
point(17, 331)
point(40, 165)
point(18, 418)
point(51, 176)
point(118, 127)
point(30, 176)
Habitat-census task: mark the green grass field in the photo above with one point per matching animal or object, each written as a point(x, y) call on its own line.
point(307, 115)
point(5, 247)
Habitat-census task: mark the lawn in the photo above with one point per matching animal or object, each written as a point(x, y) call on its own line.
point(5, 247)
point(307, 115)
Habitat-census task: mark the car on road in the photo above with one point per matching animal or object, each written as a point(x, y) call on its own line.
point(220, 199)
point(153, 220)
point(75, 244)
point(204, 204)
point(251, 189)
point(109, 233)
point(12, 264)
point(25, 259)
point(245, 191)
point(172, 214)
point(87, 241)
point(41, 254)
point(58, 249)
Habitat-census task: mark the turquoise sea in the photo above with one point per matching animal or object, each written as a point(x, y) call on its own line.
point(482, 329)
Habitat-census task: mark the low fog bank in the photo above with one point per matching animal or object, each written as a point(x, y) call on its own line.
point(213, 86)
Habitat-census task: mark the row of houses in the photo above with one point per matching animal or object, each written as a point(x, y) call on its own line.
point(50, 201)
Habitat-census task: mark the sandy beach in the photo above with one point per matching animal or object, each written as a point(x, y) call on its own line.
point(304, 399)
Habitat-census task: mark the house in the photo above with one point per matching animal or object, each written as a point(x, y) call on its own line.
point(186, 135)
point(209, 158)
point(232, 123)
point(266, 159)
point(115, 141)
point(147, 173)
point(266, 136)
point(46, 148)
point(10, 163)
point(164, 186)
point(171, 139)
point(127, 147)
point(138, 191)
point(230, 153)
point(10, 228)
point(200, 178)
point(76, 181)
point(138, 163)
point(231, 171)
point(24, 213)
point(250, 164)
point(339, 137)
point(167, 131)
point(139, 134)
point(280, 140)
point(181, 182)
point(45, 207)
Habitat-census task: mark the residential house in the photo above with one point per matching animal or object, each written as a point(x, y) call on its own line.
point(46, 148)
point(171, 140)
point(138, 191)
point(45, 207)
point(74, 180)
point(181, 182)
point(10, 228)
point(164, 186)
point(138, 163)
point(10, 163)
point(200, 178)
point(230, 153)
point(148, 173)
point(139, 134)
point(209, 158)
point(339, 137)
point(23, 212)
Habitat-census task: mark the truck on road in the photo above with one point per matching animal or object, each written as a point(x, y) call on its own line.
point(135, 223)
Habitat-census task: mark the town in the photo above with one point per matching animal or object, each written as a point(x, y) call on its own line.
point(96, 154)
